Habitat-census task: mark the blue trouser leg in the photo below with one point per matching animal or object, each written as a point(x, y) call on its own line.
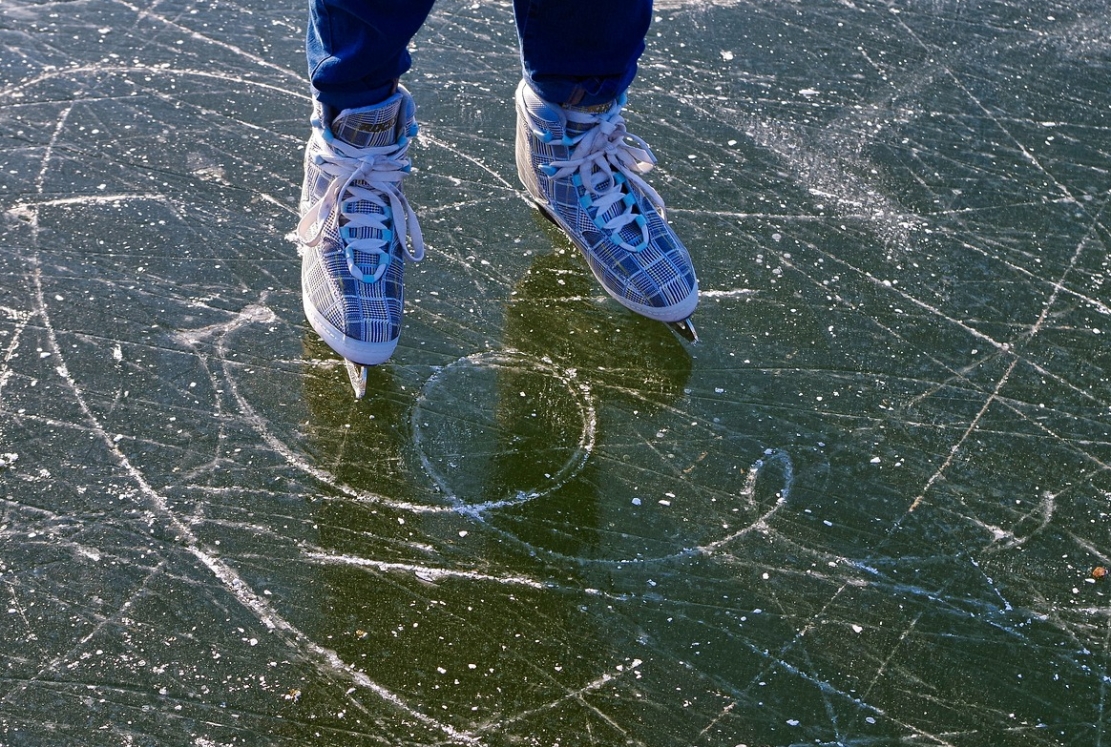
point(574, 52)
point(357, 49)
point(581, 52)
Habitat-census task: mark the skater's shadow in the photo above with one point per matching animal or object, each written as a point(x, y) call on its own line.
point(626, 363)
point(516, 438)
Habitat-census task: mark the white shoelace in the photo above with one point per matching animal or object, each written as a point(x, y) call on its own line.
point(595, 155)
point(381, 171)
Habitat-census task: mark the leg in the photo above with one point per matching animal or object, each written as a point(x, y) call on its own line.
point(357, 49)
point(581, 52)
point(580, 164)
point(357, 230)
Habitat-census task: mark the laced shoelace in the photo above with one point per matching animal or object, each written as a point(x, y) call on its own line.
point(604, 161)
point(374, 175)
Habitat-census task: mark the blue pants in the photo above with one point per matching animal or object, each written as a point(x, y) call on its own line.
point(574, 52)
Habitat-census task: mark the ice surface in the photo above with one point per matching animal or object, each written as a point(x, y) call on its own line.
point(863, 510)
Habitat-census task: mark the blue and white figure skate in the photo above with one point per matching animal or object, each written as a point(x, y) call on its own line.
point(585, 172)
point(357, 230)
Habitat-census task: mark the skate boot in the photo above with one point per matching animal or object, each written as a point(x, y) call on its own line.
point(357, 229)
point(584, 170)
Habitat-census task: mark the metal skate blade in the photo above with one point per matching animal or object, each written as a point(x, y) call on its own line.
point(356, 373)
point(685, 329)
point(547, 214)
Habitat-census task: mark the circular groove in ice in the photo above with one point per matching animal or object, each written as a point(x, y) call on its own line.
point(499, 428)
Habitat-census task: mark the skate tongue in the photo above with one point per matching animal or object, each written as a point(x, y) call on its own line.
point(594, 109)
point(577, 128)
point(369, 127)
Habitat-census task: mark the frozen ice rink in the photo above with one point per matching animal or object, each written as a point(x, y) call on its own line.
point(864, 510)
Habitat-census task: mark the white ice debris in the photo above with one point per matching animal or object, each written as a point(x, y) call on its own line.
point(89, 552)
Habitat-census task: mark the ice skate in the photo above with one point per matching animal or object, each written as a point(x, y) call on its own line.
point(357, 230)
point(585, 172)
